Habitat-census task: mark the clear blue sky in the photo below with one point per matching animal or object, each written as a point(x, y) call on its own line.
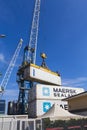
point(62, 36)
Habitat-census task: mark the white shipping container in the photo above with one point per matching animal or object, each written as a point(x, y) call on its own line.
point(39, 107)
point(39, 74)
point(41, 91)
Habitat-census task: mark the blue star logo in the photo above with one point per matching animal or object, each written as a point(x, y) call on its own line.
point(46, 106)
point(46, 91)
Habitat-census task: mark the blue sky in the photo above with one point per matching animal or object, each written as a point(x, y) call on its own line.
point(62, 36)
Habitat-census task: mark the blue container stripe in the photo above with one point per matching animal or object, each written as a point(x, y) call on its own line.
point(33, 72)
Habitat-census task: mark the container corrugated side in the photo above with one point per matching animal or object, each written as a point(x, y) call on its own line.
point(41, 91)
point(39, 107)
point(41, 75)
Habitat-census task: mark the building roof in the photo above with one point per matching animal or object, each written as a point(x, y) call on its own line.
point(75, 96)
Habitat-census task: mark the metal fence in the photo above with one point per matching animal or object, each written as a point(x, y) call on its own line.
point(21, 124)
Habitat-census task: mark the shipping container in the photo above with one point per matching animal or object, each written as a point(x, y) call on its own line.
point(42, 75)
point(2, 106)
point(40, 107)
point(12, 108)
point(41, 91)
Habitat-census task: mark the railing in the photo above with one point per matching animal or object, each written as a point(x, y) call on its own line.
point(21, 124)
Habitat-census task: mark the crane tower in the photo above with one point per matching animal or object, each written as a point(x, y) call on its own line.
point(29, 57)
point(29, 72)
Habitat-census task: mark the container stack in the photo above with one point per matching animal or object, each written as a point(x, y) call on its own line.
point(42, 97)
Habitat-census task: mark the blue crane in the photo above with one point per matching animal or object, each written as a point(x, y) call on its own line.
point(29, 57)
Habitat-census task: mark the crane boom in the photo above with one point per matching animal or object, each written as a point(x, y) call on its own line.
point(10, 67)
point(31, 56)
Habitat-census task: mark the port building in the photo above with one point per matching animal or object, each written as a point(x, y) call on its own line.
point(78, 103)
